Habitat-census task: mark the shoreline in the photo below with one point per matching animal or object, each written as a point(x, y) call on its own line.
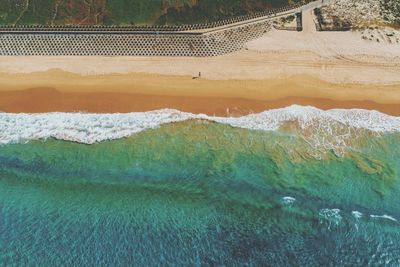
point(60, 91)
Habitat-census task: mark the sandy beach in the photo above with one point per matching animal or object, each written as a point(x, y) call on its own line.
point(62, 91)
point(322, 69)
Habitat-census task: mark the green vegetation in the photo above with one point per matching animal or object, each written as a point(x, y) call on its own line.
point(391, 11)
point(285, 20)
point(117, 12)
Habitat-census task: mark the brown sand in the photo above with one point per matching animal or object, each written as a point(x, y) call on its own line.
point(57, 90)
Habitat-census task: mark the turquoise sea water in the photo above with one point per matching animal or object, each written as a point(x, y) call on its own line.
point(200, 194)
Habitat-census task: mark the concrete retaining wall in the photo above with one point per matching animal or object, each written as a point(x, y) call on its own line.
point(135, 44)
point(218, 38)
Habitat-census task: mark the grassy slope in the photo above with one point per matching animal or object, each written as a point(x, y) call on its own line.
point(127, 11)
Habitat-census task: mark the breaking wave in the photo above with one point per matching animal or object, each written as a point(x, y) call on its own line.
point(93, 128)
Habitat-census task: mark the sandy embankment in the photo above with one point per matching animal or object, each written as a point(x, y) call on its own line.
point(322, 69)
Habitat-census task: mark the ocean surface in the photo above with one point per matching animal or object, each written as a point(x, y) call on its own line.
point(290, 187)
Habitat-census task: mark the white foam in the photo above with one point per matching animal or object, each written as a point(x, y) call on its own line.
point(356, 214)
point(92, 128)
point(332, 216)
point(288, 200)
point(387, 217)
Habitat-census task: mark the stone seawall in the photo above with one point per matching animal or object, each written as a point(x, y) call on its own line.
point(213, 39)
point(132, 44)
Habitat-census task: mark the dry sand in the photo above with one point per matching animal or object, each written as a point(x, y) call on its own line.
point(323, 69)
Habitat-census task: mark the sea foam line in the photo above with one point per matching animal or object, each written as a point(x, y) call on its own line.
point(91, 128)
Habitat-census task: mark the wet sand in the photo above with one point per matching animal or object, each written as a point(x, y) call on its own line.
point(57, 90)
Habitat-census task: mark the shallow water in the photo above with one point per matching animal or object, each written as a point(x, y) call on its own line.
point(196, 193)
